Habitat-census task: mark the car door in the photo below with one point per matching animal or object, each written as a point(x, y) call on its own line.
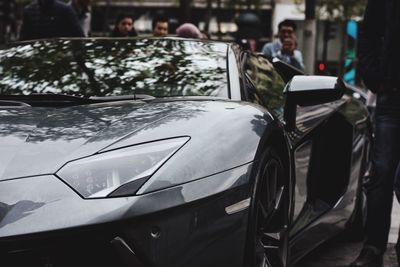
point(264, 86)
point(322, 146)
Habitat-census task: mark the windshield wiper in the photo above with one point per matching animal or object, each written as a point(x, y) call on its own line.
point(122, 97)
point(56, 100)
point(48, 99)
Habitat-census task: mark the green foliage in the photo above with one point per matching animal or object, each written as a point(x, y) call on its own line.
point(339, 9)
point(346, 8)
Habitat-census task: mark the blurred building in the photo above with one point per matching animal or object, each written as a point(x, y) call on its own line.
point(330, 42)
point(219, 15)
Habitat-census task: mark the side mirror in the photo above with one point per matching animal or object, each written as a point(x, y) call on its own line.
point(308, 91)
point(286, 71)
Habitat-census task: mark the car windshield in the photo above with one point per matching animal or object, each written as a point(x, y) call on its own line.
point(115, 67)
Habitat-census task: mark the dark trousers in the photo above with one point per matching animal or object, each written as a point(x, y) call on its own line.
point(385, 159)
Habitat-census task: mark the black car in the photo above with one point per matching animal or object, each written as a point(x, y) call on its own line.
point(172, 152)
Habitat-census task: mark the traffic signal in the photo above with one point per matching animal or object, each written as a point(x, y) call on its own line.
point(321, 67)
point(327, 68)
point(330, 30)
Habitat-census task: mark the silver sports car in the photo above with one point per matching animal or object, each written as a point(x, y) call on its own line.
point(172, 152)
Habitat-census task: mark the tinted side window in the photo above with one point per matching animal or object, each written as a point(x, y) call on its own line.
point(267, 83)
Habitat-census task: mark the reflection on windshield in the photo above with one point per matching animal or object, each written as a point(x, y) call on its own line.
point(268, 82)
point(157, 67)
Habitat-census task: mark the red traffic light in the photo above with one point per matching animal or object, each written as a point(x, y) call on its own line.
point(321, 67)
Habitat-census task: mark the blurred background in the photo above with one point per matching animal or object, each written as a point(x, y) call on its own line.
point(327, 30)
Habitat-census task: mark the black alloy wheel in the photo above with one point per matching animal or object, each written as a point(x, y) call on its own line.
point(268, 233)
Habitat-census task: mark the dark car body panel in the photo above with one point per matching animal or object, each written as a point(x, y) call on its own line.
point(33, 215)
point(328, 149)
point(43, 207)
point(316, 221)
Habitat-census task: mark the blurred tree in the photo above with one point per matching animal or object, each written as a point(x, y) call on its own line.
point(338, 9)
point(342, 9)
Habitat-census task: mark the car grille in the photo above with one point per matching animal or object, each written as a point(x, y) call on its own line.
point(73, 251)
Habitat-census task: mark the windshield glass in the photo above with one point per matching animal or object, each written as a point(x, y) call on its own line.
point(115, 67)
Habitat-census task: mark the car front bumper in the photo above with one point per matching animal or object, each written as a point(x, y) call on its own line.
point(44, 222)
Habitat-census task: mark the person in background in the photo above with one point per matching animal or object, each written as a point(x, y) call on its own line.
point(285, 48)
point(205, 35)
point(160, 26)
point(189, 30)
point(379, 58)
point(83, 12)
point(124, 26)
point(48, 19)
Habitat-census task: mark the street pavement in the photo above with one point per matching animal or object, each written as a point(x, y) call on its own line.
point(339, 253)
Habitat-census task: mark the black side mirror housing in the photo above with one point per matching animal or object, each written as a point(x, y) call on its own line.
point(308, 91)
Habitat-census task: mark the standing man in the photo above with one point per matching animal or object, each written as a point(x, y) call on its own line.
point(83, 12)
point(49, 18)
point(286, 47)
point(160, 26)
point(379, 67)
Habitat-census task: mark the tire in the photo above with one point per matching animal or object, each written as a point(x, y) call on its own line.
point(267, 240)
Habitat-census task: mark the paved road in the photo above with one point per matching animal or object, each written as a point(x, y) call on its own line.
point(339, 252)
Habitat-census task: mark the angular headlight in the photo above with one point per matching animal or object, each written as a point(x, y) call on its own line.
point(118, 172)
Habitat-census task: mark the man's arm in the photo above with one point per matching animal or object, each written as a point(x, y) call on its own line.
point(371, 44)
point(267, 50)
point(298, 57)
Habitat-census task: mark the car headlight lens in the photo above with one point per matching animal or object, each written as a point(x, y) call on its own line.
point(118, 172)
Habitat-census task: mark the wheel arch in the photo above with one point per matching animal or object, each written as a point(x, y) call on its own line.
point(276, 139)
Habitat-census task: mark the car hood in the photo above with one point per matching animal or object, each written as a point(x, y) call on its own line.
point(37, 141)
point(40, 140)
